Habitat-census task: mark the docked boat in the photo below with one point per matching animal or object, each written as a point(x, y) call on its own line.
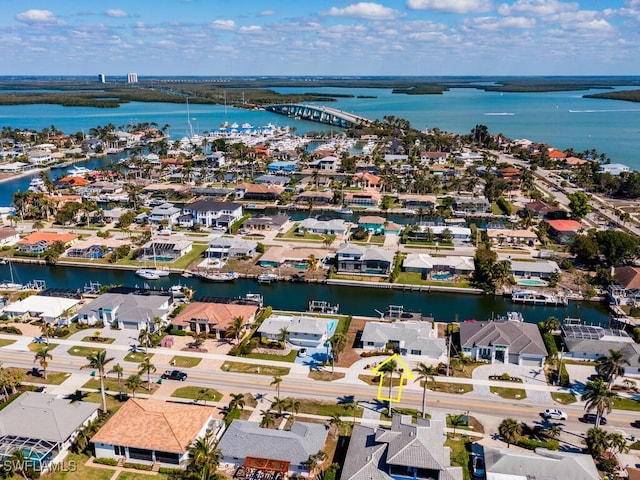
point(320, 306)
point(344, 211)
point(79, 171)
point(56, 166)
point(37, 185)
point(147, 274)
point(537, 298)
point(267, 278)
point(253, 299)
point(11, 284)
point(217, 276)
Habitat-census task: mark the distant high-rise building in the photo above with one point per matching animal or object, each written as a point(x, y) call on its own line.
point(132, 78)
point(102, 78)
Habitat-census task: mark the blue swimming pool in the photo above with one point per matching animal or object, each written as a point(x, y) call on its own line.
point(442, 276)
point(532, 282)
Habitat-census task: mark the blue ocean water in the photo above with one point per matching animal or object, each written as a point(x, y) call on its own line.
point(561, 119)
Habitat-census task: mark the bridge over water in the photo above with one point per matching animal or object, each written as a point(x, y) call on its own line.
point(319, 114)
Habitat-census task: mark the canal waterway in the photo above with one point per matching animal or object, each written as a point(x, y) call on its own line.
point(444, 307)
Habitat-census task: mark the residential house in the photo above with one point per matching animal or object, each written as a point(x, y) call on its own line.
point(539, 269)
point(372, 224)
point(40, 157)
point(230, 247)
point(416, 340)
point(503, 341)
point(467, 205)
point(468, 158)
point(572, 162)
point(505, 463)
point(15, 167)
point(214, 318)
point(315, 198)
point(266, 222)
point(366, 180)
point(94, 247)
point(170, 428)
point(166, 212)
point(210, 213)
point(394, 158)
point(455, 233)
point(40, 242)
point(281, 180)
point(164, 250)
point(262, 192)
point(557, 155)
point(282, 166)
point(362, 199)
point(71, 182)
point(614, 168)
point(245, 443)
point(591, 342)
point(302, 331)
point(626, 290)
point(539, 209)
point(132, 310)
point(428, 265)
point(278, 255)
point(425, 202)
point(55, 310)
point(329, 162)
point(502, 236)
point(564, 230)
point(334, 226)
point(8, 236)
point(215, 159)
point(434, 158)
point(370, 260)
point(407, 450)
point(44, 425)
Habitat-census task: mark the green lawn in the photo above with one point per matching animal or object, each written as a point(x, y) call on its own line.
point(451, 387)
point(564, 398)
point(459, 452)
point(375, 380)
point(137, 357)
point(53, 378)
point(34, 347)
point(4, 342)
point(195, 393)
point(291, 234)
point(325, 376)
point(626, 404)
point(78, 470)
point(180, 263)
point(110, 384)
point(509, 393)
point(185, 362)
point(415, 278)
point(325, 409)
point(140, 476)
point(239, 367)
point(290, 357)
point(83, 351)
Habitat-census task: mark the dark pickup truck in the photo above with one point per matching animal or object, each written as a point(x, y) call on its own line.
point(175, 375)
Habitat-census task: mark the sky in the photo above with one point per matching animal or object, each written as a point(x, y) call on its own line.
point(320, 37)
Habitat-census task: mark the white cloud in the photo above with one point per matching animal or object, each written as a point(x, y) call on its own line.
point(537, 8)
point(250, 29)
point(267, 13)
point(368, 10)
point(494, 23)
point(41, 17)
point(223, 25)
point(116, 12)
point(451, 6)
point(594, 26)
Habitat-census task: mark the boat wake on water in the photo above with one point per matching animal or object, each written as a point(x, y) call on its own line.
point(604, 111)
point(499, 114)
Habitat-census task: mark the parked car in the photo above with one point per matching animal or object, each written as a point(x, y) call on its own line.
point(635, 424)
point(554, 413)
point(591, 418)
point(477, 464)
point(175, 375)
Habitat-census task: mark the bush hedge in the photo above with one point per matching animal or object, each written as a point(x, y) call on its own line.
point(106, 461)
point(530, 444)
point(138, 466)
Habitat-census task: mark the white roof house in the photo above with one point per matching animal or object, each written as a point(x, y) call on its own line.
point(303, 331)
point(423, 262)
point(410, 338)
point(50, 309)
point(334, 226)
point(614, 168)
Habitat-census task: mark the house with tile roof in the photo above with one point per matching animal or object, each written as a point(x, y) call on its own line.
point(626, 289)
point(8, 236)
point(505, 463)
point(40, 242)
point(261, 192)
point(366, 180)
point(244, 439)
point(214, 318)
point(427, 264)
point(362, 199)
point(154, 432)
point(44, 424)
point(415, 340)
point(503, 341)
point(210, 213)
point(127, 310)
point(266, 222)
point(317, 198)
point(564, 230)
point(411, 450)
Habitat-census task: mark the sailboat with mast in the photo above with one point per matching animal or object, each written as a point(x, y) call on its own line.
point(153, 273)
point(12, 284)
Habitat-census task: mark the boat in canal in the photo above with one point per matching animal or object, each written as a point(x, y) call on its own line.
point(537, 298)
point(217, 276)
point(267, 278)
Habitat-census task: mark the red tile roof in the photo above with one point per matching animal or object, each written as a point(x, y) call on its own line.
point(565, 225)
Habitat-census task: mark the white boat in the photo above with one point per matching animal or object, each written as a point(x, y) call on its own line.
point(344, 211)
point(537, 298)
point(267, 278)
point(147, 274)
point(37, 185)
point(12, 284)
point(217, 276)
point(79, 171)
point(320, 306)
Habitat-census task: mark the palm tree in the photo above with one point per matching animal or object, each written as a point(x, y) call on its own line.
point(423, 373)
point(335, 422)
point(119, 371)
point(510, 430)
point(237, 401)
point(98, 360)
point(597, 397)
point(267, 419)
point(617, 443)
point(283, 335)
point(456, 421)
point(145, 337)
point(47, 330)
point(42, 356)
point(294, 406)
point(338, 343)
point(236, 328)
point(133, 383)
point(611, 366)
point(279, 404)
point(204, 457)
point(147, 366)
point(277, 380)
point(553, 431)
point(597, 441)
point(17, 462)
point(389, 367)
